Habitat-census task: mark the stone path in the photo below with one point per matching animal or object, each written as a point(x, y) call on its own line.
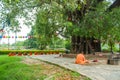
point(95, 72)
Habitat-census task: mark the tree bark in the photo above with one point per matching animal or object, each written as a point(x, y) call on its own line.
point(87, 45)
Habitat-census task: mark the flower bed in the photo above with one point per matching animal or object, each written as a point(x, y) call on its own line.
point(30, 52)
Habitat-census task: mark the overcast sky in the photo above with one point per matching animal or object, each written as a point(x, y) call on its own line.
point(24, 31)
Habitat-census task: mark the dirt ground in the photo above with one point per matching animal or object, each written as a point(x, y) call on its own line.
point(54, 71)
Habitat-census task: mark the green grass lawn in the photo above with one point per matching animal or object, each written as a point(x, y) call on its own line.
point(13, 68)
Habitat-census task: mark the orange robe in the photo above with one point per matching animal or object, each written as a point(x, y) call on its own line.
point(80, 59)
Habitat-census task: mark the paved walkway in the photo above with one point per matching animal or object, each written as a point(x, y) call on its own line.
point(95, 72)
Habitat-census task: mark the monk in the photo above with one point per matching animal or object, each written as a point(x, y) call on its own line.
point(80, 59)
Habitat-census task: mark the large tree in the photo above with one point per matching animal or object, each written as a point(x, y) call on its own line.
point(84, 21)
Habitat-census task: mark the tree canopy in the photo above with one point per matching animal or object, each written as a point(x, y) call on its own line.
point(53, 18)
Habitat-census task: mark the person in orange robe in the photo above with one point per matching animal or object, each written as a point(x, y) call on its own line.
point(80, 59)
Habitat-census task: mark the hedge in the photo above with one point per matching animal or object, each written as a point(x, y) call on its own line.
point(4, 52)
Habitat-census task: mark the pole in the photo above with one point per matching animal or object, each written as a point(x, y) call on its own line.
point(54, 43)
point(15, 40)
point(8, 40)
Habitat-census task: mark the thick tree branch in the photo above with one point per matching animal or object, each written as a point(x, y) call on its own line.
point(115, 4)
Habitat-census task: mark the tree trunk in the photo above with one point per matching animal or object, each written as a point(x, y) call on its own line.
point(119, 47)
point(111, 47)
point(87, 45)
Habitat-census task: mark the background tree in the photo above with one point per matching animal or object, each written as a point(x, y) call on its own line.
point(31, 42)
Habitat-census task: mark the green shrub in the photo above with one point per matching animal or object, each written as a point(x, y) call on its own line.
point(4, 52)
point(106, 48)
